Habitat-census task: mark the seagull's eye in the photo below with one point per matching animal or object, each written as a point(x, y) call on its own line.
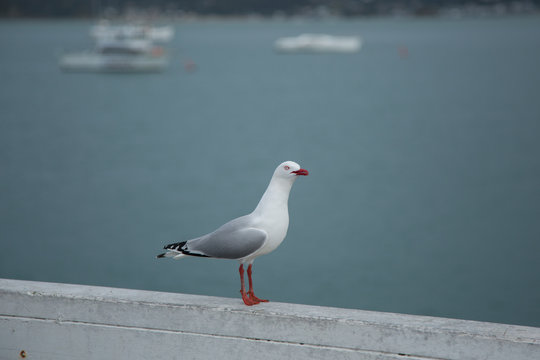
point(286, 167)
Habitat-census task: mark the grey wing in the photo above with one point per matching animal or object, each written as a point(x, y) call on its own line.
point(229, 242)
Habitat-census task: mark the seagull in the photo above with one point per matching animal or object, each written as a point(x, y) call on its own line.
point(249, 236)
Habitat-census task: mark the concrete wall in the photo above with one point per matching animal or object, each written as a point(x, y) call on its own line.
point(60, 321)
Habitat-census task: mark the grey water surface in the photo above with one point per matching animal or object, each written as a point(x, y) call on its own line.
point(423, 151)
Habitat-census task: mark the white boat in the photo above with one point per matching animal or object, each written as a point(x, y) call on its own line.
point(104, 30)
point(318, 43)
point(127, 55)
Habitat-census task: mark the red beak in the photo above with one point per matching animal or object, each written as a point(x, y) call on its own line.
point(303, 172)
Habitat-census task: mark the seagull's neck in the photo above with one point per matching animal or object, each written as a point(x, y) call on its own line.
point(276, 196)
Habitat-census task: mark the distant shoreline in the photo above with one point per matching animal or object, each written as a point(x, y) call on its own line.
point(295, 10)
point(213, 17)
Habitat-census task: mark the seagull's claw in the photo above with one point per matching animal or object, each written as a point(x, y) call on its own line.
point(246, 299)
point(255, 299)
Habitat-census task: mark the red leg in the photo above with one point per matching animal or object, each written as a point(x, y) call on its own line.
point(245, 297)
point(252, 296)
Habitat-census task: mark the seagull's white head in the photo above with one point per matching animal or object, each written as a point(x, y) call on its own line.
point(289, 170)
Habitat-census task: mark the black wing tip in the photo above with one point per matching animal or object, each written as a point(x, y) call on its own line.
point(175, 246)
point(179, 246)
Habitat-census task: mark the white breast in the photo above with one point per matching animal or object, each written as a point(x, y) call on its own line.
point(276, 227)
point(277, 230)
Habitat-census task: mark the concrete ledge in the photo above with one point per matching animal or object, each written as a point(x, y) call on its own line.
point(60, 321)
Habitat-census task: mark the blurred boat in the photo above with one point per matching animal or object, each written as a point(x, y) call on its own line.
point(118, 55)
point(318, 43)
point(104, 30)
